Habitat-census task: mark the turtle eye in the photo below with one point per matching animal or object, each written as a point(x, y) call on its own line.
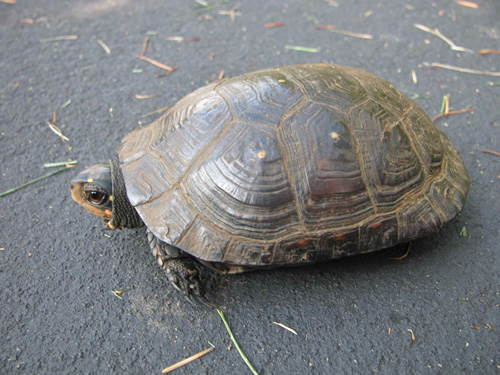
point(97, 198)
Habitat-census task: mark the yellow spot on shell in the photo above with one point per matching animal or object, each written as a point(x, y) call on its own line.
point(261, 154)
point(110, 225)
point(111, 198)
point(90, 180)
point(108, 212)
point(335, 136)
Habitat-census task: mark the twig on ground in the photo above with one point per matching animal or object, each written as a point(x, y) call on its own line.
point(413, 340)
point(437, 33)
point(285, 327)
point(414, 76)
point(59, 38)
point(187, 360)
point(491, 152)
point(206, 8)
point(273, 24)
point(55, 129)
point(457, 112)
point(404, 255)
point(302, 49)
point(233, 12)
point(104, 46)
point(462, 70)
point(350, 33)
point(334, 29)
point(144, 47)
point(468, 4)
point(142, 56)
point(169, 69)
point(488, 51)
point(66, 104)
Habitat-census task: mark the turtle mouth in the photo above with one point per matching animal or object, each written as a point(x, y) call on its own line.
point(79, 196)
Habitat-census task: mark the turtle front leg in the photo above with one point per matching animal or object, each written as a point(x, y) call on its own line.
point(182, 271)
point(184, 275)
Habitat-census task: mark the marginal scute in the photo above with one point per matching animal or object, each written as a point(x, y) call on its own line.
point(426, 138)
point(416, 219)
point(255, 252)
point(292, 165)
point(340, 242)
point(447, 191)
point(168, 217)
point(455, 172)
point(203, 236)
point(380, 232)
point(296, 250)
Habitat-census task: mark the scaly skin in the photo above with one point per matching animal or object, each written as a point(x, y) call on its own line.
point(182, 271)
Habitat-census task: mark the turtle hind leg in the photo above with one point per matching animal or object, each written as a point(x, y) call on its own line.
point(182, 271)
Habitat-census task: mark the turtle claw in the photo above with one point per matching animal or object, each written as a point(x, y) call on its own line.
point(184, 275)
point(200, 301)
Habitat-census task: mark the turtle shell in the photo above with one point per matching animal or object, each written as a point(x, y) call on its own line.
point(291, 165)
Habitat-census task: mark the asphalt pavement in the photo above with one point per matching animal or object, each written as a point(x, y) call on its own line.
point(78, 299)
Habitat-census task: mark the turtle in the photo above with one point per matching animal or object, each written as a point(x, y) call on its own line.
point(290, 165)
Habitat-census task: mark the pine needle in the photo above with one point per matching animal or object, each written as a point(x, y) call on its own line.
point(33, 181)
point(285, 327)
point(187, 360)
point(437, 33)
point(302, 49)
point(59, 38)
point(61, 164)
point(233, 339)
point(462, 70)
point(104, 46)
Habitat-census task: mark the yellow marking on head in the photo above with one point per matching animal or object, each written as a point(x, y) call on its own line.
point(90, 180)
point(335, 136)
point(281, 80)
point(111, 198)
point(261, 154)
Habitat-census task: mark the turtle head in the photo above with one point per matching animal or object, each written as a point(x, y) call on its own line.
point(100, 189)
point(93, 190)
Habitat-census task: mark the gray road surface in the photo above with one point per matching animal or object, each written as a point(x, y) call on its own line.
point(58, 267)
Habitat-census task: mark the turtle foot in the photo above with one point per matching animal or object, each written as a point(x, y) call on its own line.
point(184, 275)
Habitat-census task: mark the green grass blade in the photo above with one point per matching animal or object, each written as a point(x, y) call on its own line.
point(233, 339)
point(33, 181)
